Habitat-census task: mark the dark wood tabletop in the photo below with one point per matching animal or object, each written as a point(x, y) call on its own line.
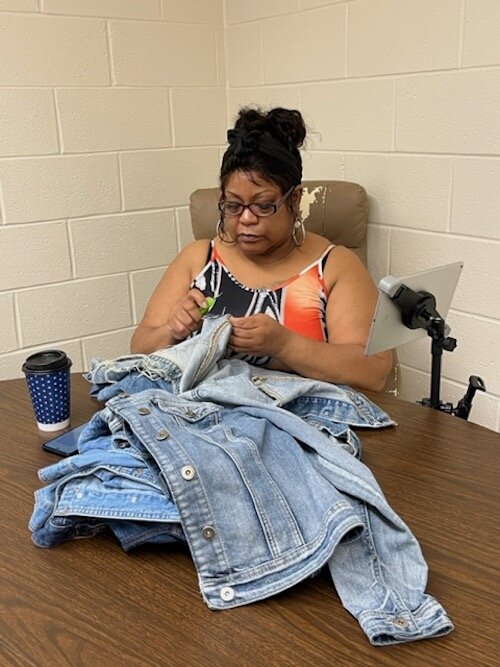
point(87, 602)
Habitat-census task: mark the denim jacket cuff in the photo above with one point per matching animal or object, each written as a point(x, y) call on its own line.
point(428, 620)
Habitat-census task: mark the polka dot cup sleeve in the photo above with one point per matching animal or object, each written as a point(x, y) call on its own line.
point(48, 378)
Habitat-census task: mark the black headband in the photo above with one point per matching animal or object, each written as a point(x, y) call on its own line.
point(245, 142)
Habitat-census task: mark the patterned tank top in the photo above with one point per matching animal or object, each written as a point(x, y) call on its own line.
point(299, 303)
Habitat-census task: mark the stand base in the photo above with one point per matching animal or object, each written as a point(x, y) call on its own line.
point(443, 407)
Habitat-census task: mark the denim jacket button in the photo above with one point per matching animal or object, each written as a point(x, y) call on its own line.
point(162, 435)
point(144, 411)
point(188, 472)
point(208, 532)
point(400, 622)
point(227, 593)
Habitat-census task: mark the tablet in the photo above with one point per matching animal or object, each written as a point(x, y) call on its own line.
point(387, 330)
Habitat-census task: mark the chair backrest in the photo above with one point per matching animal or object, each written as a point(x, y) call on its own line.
point(337, 210)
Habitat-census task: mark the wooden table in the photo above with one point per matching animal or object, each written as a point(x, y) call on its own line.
point(87, 602)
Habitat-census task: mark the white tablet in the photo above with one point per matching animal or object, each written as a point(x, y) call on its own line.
point(387, 330)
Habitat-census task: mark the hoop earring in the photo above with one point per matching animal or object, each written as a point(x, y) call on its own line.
point(298, 224)
point(220, 231)
point(219, 228)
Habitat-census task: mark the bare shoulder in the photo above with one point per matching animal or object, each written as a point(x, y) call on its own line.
point(313, 247)
point(344, 256)
point(344, 263)
point(316, 243)
point(184, 268)
point(195, 251)
point(191, 258)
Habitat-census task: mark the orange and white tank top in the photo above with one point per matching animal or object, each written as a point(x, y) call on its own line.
point(299, 303)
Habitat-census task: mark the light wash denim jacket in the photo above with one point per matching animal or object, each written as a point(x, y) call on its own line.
point(257, 464)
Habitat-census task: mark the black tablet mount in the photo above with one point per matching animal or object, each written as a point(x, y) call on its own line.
point(418, 311)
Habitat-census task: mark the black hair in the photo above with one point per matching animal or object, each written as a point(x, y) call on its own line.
point(266, 143)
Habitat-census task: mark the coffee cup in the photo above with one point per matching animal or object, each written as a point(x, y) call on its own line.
point(48, 379)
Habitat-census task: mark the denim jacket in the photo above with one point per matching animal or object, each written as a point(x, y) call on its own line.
point(198, 370)
point(256, 464)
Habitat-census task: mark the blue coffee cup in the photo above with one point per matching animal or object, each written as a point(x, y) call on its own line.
point(48, 378)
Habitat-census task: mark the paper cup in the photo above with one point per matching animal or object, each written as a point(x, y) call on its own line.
point(48, 378)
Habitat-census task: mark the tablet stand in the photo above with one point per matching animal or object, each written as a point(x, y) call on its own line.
point(418, 311)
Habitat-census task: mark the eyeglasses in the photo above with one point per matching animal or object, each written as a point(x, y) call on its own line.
point(262, 209)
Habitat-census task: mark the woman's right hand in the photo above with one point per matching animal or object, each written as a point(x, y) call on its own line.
point(172, 312)
point(185, 316)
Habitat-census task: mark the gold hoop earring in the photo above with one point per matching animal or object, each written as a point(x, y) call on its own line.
point(298, 224)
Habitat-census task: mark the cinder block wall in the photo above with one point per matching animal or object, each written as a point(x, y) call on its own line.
point(402, 96)
point(111, 112)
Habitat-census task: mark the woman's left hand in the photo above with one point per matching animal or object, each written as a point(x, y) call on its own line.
point(258, 335)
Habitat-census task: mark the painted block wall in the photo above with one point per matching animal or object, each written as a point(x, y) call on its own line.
point(402, 96)
point(112, 111)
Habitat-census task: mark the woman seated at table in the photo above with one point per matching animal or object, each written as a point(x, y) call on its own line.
point(297, 303)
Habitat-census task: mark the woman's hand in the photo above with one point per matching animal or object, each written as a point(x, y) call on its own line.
point(258, 335)
point(185, 316)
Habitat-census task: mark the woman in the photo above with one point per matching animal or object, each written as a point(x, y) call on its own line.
point(296, 302)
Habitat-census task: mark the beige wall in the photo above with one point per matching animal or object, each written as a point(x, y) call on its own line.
point(109, 119)
point(111, 112)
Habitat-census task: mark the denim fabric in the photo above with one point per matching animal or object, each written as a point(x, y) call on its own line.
point(123, 375)
point(332, 409)
point(183, 365)
point(198, 370)
point(261, 511)
point(256, 464)
point(256, 516)
point(132, 534)
point(113, 483)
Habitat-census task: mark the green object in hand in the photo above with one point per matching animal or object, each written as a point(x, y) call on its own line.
point(210, 304)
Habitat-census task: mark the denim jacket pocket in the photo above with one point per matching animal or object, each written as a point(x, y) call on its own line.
point(208, 412)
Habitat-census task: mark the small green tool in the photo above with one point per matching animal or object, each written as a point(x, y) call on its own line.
point(210, 304)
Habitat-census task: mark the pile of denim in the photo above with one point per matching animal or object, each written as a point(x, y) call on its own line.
point(257, 471)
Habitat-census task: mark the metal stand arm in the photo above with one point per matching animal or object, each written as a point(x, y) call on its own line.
point(418, 311)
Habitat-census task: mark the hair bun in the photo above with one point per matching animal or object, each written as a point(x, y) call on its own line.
point(289, 124)
point(285, 125)
point(266, 143)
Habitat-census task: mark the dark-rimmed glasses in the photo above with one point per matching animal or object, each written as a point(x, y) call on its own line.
point(262, 209)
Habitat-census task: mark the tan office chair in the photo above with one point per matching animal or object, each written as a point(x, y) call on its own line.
point(337, 210)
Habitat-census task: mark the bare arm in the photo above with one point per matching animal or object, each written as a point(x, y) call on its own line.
point(172, 312)
point(349, 314)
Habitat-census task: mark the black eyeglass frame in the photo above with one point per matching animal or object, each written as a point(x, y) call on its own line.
point(273, 207)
